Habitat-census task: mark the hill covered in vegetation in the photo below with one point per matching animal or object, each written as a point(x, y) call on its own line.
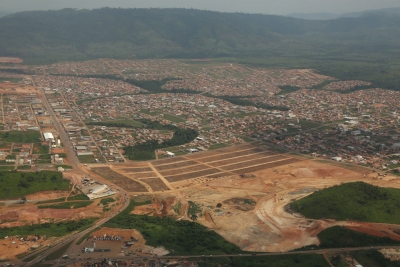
point(122, 33)
point(357, 201)
point(363, 48)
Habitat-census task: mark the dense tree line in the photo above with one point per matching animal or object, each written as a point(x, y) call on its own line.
point(244, 101)
point(145, 151)
point(352, 201)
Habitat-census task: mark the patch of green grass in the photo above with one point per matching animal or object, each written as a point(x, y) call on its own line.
point(321, 86)
point(338, 237)
point(61, 199)
point(107, 200)
point(43, 161)
point(45, 156)
point(20, 137)
point(246, 139)
point(310, 260)
point(39, 264)
point(177, 207)
point(78, 197)
point(308, 124)
point(217, 146)
point(373, 258)
point(124, 123)
point(10, 79)
point(181, 237)
point(48, 229)
point(18, 184)
point(59, 252)
point(352, 201)
point(86, 159)
point(3, 162)
point(288, 89)
point(67, 205)
point(24, 167)
point(40, 149)
point(173, 118)
point(5, 168)
point(194, 208)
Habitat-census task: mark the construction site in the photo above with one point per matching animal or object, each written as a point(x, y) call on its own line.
point(242, 193)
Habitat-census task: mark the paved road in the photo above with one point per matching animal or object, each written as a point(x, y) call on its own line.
point(74, 161)
point(93, 258)
point(41, 254)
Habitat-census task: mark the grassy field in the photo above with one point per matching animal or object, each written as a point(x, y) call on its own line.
point(21, 137)
point(40, 149)
point(373, 258)
point(78, 197)
point(311, 260)
point(338, 237)
point(59, 252)
point(107, 200)
point(8, 79)
point(217, 146)
point(118, 123)
point(352, 201)
point(173, 118)
point(24, 167)
point(18, 184)
point(86, 159)
point(6, 168)
point(67, 205)
point(48, 229)
point(181, 237)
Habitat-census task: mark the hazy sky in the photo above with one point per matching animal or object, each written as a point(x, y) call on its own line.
point(280, 7)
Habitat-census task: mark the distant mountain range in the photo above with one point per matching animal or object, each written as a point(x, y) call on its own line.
point(2, 14)
point(328, 16)
point(69, 34)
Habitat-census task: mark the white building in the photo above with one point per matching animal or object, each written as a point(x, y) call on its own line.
point(48, 137)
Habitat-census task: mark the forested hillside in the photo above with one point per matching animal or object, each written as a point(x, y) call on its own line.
point(123, 33)
point(366, 47)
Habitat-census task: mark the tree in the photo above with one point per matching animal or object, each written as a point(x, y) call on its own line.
point(193, 217)
point(23, 199)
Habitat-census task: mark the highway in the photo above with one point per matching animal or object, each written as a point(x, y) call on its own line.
point(69, 150)
point(44, 252)
point(74, 161)
point(92, 258)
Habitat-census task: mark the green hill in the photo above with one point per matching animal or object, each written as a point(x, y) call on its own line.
point(365, 48)
point(339, 237)
point(120, 33)
point(357, 201)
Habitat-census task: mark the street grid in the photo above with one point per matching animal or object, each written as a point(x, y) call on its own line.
point(235, 160)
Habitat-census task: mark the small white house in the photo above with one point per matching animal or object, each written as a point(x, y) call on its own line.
point(170, 154)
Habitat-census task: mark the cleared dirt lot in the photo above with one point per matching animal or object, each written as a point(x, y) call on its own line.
point(119, 179)
point(258, 222)
point(211, 164)
point(155, 183)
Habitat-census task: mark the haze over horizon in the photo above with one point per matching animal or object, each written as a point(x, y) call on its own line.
point(283, 7)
